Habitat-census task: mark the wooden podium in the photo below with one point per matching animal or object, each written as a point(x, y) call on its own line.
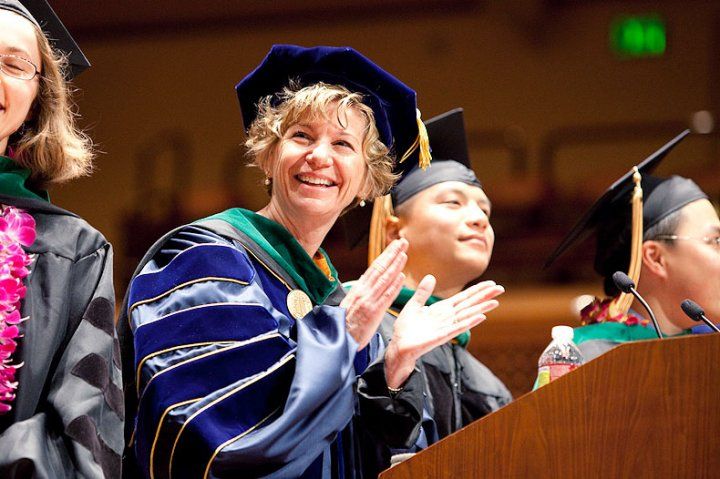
point(644, 409)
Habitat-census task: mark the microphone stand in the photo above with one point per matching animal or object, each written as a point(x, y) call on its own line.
point(710, 324)
point(647, 307)
point(626, 285)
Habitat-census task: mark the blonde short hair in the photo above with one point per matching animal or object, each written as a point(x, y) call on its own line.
point(297, 104)
point(52, 147)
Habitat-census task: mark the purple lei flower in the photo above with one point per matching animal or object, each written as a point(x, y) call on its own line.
point(17, 229)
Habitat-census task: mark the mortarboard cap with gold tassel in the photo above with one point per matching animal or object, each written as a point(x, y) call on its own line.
point(622, 215)
point(451, 162)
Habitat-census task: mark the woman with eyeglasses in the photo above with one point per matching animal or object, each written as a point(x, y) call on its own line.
point(61, 413)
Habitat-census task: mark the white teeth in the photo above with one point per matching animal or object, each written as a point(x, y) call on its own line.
point(315, 181)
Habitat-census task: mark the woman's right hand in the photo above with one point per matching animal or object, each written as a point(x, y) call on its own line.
point(375, 291)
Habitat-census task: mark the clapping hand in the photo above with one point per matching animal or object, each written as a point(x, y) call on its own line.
point(374, 292)
point(419, 328)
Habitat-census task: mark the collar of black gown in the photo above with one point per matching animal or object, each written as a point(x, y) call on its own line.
point(41, 14)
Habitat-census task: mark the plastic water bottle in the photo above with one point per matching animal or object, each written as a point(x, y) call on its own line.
point(560, 357)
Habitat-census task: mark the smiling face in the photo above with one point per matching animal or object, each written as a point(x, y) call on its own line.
point(448, 228)
point(17, 37)
point(320, 168)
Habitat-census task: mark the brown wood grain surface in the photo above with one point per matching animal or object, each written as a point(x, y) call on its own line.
point(646, 409)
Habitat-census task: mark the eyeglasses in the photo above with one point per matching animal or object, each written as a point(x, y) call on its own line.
point(18, 67)
point(710, 240)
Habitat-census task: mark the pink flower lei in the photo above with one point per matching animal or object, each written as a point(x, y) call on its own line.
point(599, 312)
point(17, 229)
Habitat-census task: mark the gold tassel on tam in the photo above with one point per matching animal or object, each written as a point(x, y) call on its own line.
point(621, 304)
point(382, 207)
point(382, 210)
point(422, 142)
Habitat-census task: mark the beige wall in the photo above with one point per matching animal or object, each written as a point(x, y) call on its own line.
point(535, 72)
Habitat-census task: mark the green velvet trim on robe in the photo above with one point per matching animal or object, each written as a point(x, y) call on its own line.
point(407, 293)
point(616, 332)
point(277, 242)
point(13, 178)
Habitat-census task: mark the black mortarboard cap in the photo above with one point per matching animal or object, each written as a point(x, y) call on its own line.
point(394, 104)
point(451, 160)
point(661, 198)
point(610, 217)
point(448, 139)
point(42, 15)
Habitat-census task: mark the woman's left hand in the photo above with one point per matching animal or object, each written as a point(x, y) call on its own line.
point(374, 292)
point(419, 328)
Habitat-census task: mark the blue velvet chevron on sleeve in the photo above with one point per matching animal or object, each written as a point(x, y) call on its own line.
point(229, 384)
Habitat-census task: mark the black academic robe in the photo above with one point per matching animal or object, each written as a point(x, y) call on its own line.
point(67, 418)
point(459, 388)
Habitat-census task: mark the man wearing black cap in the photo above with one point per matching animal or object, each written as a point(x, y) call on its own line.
point(676, 257)
point(445, 216)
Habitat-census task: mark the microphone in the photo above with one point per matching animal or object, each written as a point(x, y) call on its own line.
point(696, 313)
point(626, 285)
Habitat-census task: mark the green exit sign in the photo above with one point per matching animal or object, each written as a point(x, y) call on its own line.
point(638, 36)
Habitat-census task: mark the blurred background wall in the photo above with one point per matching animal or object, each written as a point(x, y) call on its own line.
point(555, 112)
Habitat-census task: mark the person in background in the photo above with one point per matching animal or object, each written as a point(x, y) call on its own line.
point(444, 214)
point(61, 405)
point(665, 234)
point(246, 355)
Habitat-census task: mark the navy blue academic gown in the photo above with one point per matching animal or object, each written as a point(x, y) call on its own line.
point(228, 383)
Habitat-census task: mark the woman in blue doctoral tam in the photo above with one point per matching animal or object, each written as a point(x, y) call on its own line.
point(444, 214)
point(61, 411)
point(664, 233)
point(244, 356)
